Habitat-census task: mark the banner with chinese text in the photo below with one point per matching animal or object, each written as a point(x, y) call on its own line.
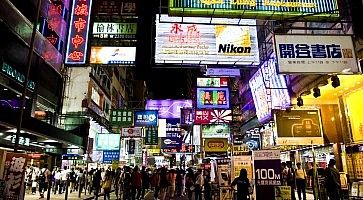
point(15, 164)
point(121, 117)
point(151, 135)
point(209, 116)
point(267, 169)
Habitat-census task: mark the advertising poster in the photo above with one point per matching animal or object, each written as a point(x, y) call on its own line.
point(212, 116)
point(105, 141)
point(242, 162)
point(113, 55)
point(224, 179)
point(168, 108)
point(110, 156)
point(215, 131)
point(299, 127)
point(212, 82)
point(257, 9)
point(120, 117)
point(14, 172)
point(146, 118)
point(217, 98)
point(267, 169)
point(187, 116)
point(282, 193)
point(253, 142)
point(151, 135)
point(194, 43)
point(131, 132)
point(97, 156)
point(316, 54)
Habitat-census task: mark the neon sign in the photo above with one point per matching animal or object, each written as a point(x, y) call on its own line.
point(78, 32)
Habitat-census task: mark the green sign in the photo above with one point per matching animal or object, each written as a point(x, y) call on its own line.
point(14, 74)
point(259, 9)
point(151, 135)
point(120, 117)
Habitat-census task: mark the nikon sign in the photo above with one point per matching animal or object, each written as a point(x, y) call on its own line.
point(188, 41)
point(256, 9)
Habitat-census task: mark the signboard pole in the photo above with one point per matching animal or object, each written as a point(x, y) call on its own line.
point(25, 84)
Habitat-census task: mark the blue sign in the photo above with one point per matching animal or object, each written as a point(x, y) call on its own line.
point(174, 139)
point(109, 156)
point(146, 118)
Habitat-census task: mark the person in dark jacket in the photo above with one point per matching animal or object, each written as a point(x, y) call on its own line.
point(96, 182)
point(243, 185)
point(332, 181)
point(145, 181)
point(207, 186)
point(136, 183)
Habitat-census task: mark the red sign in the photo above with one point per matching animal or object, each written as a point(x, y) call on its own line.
point(212, 116)
point(78, 32)
point(15, 164)
point(184, 149)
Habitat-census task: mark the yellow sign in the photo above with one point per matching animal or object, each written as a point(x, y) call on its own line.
point(115, 164)
point(282, 193)
point(216, 145)
point(242, 162)
point(355, 110)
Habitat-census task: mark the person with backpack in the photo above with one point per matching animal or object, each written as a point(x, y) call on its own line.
point(44, 180)
point(72, 179)
point(243, 185)
point(291, 179)
point(300, 181)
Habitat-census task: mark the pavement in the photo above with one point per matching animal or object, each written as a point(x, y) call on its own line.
point(74, 196)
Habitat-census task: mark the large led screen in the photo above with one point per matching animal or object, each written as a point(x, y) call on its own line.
point(215, 131)
point(113, 55)
point(186, 40)
point(213, 98)
point(168, 108)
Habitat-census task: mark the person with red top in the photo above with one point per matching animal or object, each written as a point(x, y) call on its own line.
point(136, 183)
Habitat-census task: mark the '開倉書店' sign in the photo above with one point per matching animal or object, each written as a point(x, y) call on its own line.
point(260, 9)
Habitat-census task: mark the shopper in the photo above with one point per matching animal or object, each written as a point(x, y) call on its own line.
point(189, 183)
point(332, 181)
point(243, 185)
point(300, 181)
point(164, 183)
point(126, 179)
point(155, 183)
point(145, 181)
point(199, 185)
point(171, 181)
point(207, 186)
point(117, 183)
point(290, 179)
point(106, 185)
point(179, 182)
point(136, 182)
point(96, 182)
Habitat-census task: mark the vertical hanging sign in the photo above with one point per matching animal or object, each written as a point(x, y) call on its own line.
point(78, 32)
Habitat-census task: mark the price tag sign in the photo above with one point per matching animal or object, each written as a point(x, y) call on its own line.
point(267, 173)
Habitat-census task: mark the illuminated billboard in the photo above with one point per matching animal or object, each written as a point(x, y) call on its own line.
point(256, 9)
point(185, 40)
point(269, 90)
point(78, 32)
point(224, 72)
point(168, 108)
point(107, 141)
point(319, 54)
point(210, 116)
point(114, 30)
point(113, 55)
point(215, 131)
point(213, 98)
point(212, 82)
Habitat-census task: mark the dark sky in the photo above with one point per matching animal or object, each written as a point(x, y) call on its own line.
point(169, 83)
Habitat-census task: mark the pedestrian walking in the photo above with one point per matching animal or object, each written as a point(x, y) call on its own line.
point(207, 186)
point(155, 183)
point(189, 183)
point(136, 182)
point(44, 180)
point(243, 185)
point(300, 181)
point(96, 183)
point(171, 181)
point(117, 183)
point(199, 185)
point(145, 181)
point(106, 185)
point(332, 181)
point(291, 179)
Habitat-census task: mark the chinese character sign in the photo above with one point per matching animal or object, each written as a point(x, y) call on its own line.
point(15, 164)
point(114, 30)
point(122, 117)
point(78, 32)
point(319, 54)
point(267, 173)
point(146, 118)
point(109, 156)
point(151, 135)
point(116, 7)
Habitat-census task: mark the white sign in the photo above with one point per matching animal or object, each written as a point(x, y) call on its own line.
point(266, 155)
point(315, 54)
point(113, 55)
point(181, 40)
point(131, 132)
point(114, 30)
